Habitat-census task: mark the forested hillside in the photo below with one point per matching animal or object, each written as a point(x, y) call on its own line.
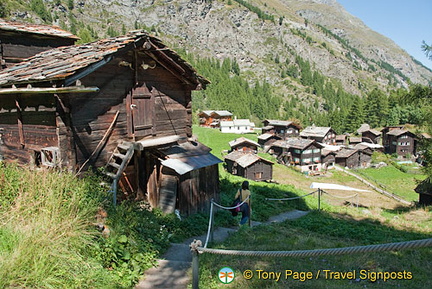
point(308, 60)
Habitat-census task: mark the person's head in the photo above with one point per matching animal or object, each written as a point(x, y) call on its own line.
point(245, 185)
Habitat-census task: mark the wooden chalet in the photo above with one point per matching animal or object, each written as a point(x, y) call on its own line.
point(353, 158)
point(266, 139)
point(212, 118)
point(245, 145)
point(325, 135)
point(249, 166)
point(400, 141)
point(371, 136)
point(123, 103)
point(281, 128)
point(19, 41)
point(304, 153)
point(386, 130)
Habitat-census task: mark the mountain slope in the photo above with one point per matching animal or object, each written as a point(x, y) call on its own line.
point(321, 32)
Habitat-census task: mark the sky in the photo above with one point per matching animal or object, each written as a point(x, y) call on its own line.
point(407, 22)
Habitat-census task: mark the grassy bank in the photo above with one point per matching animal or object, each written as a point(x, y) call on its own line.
point(49, 236)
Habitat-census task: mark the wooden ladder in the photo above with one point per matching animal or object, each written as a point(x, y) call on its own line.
point(117, 163)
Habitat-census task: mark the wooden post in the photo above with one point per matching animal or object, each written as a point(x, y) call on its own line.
point(212, 221)
point(319, 199)
point(250, 210)
point(195, 263)
point(195, 270)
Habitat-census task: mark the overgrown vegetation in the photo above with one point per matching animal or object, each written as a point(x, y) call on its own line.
point(49, 236)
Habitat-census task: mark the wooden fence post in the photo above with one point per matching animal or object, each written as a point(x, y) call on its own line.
point(195, 263)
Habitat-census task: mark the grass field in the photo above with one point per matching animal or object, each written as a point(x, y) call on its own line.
point(395, 181)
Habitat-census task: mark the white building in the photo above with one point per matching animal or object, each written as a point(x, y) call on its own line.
point(237, 126)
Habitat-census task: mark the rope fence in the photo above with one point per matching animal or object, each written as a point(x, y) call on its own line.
point(197, 248)
point(319, 252)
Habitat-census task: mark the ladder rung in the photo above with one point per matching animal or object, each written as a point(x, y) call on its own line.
point(123, 146)
point(111, 175)
point(114, 165)
point(121, 156)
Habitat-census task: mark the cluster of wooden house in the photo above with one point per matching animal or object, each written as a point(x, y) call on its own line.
point(123, 103)
point(316, 149)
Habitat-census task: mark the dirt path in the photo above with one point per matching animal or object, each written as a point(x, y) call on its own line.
point(172, 269)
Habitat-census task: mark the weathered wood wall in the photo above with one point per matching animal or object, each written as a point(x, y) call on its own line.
point(27, 124)
point(259, 171)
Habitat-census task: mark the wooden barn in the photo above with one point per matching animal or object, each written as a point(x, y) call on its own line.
point(249, 166)
point(121, 102)
point(19, 41)
point(353, 158)
point(244, 144)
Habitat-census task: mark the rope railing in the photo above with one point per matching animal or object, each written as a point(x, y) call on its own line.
point(343, 197)
point(318, 252)
point(210, 225)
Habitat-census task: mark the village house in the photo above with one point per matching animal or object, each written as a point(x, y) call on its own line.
point(19, 41)
point(353, 158)
point(400, 141)
point(245, 145)
point(249, 166)
point(281, 128)
point(371, 136)
point(123, 103)
point(328, 158)
point(304, 153)
point(212, 118)
point(267, 139)
point(239, 126)
point(325, 135)
point(341, 140)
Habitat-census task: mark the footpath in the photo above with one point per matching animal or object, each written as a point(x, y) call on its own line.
point(172, 269)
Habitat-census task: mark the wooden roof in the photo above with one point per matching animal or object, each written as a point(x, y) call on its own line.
point(37, 29)
point(245, 159)
point(242, 140)
point(315, 131)
point(70, 63)
point(297, 143)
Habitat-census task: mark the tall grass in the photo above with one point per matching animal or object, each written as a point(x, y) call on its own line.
point(45, 233)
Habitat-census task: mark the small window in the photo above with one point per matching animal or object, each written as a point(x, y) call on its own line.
point(50, 156)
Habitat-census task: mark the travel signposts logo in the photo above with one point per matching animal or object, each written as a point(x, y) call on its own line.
point(226, 275)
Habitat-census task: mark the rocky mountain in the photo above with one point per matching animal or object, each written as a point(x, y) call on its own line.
point(266, 38)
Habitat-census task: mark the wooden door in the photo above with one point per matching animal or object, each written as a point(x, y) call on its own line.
point(142, 114)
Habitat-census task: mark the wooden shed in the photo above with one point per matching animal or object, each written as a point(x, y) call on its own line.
point(107, 103)
point(249, 166)
point(353, 158)
point(424, 189)
point(19, 41)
